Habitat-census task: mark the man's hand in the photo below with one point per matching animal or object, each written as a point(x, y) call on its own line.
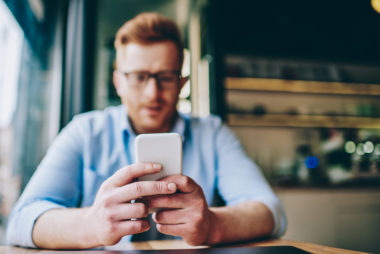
point(111, 217)
point(185, 214)
point(112, 210)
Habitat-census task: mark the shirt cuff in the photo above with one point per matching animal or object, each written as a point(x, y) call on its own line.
point(21, 223)
point(278, 214)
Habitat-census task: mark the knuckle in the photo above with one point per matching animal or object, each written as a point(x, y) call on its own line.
point(138, 226)
point(159, 187)
point(110, 228)
point(197, 219)
point(198, 202)
point(141, 209)
point(167, 200)
point(186, 180)
point(172, 199)
point(108, 216)
point(138, 187)
point(109, 235)
point(106, 201)
point(104, 187)
point(128, 171)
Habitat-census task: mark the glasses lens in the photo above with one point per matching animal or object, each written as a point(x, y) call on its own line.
point(168, 80)
point(137, 78)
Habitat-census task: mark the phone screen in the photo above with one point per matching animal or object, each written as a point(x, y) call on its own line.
point(163, 148)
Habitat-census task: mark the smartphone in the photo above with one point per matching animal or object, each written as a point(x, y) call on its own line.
point(163, 148)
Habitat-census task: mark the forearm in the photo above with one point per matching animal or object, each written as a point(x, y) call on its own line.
point(241, 222)
point(64, 229)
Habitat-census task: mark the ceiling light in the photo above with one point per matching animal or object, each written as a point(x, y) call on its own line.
point(376, 5)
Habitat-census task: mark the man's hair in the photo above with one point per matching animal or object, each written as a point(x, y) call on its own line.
point(149, 27)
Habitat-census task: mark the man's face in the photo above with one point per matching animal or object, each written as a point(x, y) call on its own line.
point(151, 105)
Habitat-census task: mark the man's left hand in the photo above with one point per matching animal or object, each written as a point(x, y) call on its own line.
point(185, 213)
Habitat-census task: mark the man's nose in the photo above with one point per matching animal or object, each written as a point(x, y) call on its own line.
point(152, 88)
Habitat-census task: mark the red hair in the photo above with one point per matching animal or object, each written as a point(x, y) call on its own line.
point(149, 27)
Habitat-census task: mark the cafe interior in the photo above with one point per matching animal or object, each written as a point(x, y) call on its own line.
point(297, 81)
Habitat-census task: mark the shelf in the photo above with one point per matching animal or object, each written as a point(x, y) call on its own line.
point(300, 86)
point(311, 121)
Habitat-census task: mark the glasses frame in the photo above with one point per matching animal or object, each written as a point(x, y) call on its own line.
point(152, 75)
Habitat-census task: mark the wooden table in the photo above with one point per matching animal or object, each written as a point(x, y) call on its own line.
point(178, 244)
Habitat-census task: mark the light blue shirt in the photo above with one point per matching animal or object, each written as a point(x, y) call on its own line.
point(96, 144)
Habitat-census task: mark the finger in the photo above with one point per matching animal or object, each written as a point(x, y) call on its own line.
point(137, 190)
point(127, 211)
point(176, 230)
point(132, 227)
point(184, 183)
point(171, 217)
point(125, 175)
point(177, 200)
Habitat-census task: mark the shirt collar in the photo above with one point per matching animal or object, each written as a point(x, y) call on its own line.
point(125, 124)
point(180, 126)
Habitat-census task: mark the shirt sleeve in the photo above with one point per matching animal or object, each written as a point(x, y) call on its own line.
point(240, 179)
point(56, 183)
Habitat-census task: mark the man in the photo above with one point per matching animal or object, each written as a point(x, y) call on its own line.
point(80, 195)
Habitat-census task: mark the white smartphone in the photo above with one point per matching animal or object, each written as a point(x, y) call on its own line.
point(163, 148)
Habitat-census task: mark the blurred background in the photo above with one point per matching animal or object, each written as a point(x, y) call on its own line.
point(298, 82)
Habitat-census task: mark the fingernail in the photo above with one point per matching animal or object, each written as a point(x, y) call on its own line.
point(172, 186)
point(146, 226)
point(156, 166)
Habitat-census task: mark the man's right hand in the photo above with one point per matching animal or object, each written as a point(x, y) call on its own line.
point(112, 210)
point(110, 216)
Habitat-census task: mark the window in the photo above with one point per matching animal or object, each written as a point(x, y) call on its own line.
point(30, 91)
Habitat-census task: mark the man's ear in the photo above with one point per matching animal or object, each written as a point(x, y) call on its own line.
point(182, 82)
point(117, 82)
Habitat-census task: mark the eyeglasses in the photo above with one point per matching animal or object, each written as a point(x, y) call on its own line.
point(166, 80)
